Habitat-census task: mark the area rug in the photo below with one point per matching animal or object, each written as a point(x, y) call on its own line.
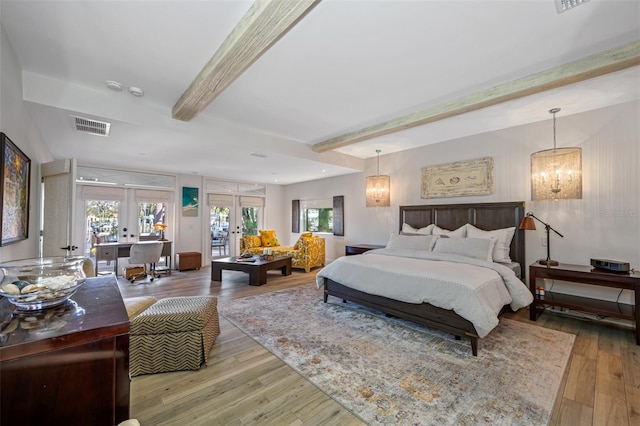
point(390, 371)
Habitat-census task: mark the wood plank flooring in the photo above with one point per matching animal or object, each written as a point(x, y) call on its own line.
point(245, 384)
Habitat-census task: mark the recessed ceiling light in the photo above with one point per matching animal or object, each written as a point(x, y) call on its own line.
point(114, 85)
point(136, 91)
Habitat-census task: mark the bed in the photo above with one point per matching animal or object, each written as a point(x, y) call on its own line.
point(350, 286)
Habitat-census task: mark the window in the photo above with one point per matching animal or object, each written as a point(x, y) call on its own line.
point(316, 215)
point(151, 218)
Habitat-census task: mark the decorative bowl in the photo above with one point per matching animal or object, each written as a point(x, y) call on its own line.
point(40, 283)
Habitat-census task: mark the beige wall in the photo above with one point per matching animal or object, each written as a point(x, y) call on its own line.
point(605, 223)
point(16, 123)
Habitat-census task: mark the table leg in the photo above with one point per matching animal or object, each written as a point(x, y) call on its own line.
point(533, 315)
point(258, 276)
point(216, 273)
point(286, 270)
point(637, 308)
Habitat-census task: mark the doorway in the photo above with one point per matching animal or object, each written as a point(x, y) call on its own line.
point(231, 217)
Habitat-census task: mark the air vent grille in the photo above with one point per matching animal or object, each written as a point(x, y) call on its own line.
point(93, 127)
point(564, 5)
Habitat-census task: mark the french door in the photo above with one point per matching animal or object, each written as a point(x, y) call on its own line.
point(231, 217)
point(110, 215)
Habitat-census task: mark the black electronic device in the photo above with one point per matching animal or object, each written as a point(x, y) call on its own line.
point(610, 265)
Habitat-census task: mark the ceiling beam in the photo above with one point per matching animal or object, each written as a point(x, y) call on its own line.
point(261, 27)
point(582, 69)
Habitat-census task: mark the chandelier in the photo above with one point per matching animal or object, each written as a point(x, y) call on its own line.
point(556, 174)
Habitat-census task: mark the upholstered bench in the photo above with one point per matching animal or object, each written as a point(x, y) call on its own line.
point(171, 334)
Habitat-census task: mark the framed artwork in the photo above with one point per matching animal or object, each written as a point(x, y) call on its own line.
point(338, 215)
point(295, 216)
point(458, 179)
point(190, 201)
point(15, 182)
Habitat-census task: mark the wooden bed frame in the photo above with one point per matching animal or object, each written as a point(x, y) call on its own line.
point(487, 216)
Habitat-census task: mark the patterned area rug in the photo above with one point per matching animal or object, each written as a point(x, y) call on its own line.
point(390, 371)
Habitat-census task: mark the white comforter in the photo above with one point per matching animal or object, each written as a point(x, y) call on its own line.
point(474, 289)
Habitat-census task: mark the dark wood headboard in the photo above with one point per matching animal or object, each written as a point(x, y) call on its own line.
point(487, 216)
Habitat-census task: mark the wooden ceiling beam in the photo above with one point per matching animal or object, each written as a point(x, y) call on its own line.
point(261, 27)
point(573, 72)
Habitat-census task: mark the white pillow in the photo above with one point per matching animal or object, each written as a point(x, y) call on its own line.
point(408, 229)
point(411, 242)
point(503, 241)
point(479, 248)
point(460, 232)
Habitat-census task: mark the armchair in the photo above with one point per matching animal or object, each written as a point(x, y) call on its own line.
point(308, 252)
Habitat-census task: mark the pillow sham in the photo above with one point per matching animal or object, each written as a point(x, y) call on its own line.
point(411, 242)
point(410, 230)
point(460, 232)
point(503, 241)
point(479, 248)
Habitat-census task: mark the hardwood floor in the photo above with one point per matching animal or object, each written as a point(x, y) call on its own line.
point(246, 384)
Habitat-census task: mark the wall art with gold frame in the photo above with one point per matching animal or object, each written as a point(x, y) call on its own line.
point(458, 179)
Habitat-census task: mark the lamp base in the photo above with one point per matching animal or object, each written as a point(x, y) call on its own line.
point(548, 262)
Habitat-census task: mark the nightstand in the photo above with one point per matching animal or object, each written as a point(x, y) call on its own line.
point(586, 275)
point(360, 248)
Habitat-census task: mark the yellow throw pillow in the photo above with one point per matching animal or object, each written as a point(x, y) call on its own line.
point(306, 235)
point(268, 237)
point(251, 241)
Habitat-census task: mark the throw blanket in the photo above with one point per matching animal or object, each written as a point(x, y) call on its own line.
point(475, 289)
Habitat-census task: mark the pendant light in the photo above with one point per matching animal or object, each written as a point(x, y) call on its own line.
point(378, 188)
point(556, 174)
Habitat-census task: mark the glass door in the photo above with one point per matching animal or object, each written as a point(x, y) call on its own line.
point(220, 221)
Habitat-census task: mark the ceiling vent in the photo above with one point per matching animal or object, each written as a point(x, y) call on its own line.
point(93, 127)
point(564, 5)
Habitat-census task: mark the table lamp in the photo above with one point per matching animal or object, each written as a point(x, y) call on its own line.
point(528, 224)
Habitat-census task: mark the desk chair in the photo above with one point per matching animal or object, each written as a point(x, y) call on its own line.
point(145, 253)
point(220, 244)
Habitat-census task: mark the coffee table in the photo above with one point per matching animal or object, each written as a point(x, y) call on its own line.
point(257, 269)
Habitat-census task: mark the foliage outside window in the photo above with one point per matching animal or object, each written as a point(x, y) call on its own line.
point(102, 220)
point(317, 216)
point(250, 220)
point(150, 214)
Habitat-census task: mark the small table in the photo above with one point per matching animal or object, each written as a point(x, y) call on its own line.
point(256, 269)
point(586, 275)
point(360, 248)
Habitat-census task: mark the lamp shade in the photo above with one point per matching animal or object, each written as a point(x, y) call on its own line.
point(378, 191)
point(527, 223)
point(556, 174)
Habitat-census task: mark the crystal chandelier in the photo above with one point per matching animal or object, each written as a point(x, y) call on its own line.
point(556, 174)
point(378, 188)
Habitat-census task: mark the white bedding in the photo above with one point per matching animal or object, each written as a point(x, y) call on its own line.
point(475, 289)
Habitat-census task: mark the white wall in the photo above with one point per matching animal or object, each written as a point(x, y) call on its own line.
point(16, 123)
point(605, 223)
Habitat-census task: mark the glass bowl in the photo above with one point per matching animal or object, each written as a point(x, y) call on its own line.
point(40, 283)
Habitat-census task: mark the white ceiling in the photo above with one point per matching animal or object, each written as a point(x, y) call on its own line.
point(344, 66)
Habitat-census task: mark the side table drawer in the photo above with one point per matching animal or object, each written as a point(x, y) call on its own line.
point(110, 253)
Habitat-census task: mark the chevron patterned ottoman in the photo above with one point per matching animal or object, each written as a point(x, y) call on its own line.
point(173, 334)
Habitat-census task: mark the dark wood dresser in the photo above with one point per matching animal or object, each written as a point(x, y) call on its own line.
point(354, 249)
point(67, 364)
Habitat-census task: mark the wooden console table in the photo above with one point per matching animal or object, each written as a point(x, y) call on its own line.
point(586, 275)
point(114, 251)
point(68, 364)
